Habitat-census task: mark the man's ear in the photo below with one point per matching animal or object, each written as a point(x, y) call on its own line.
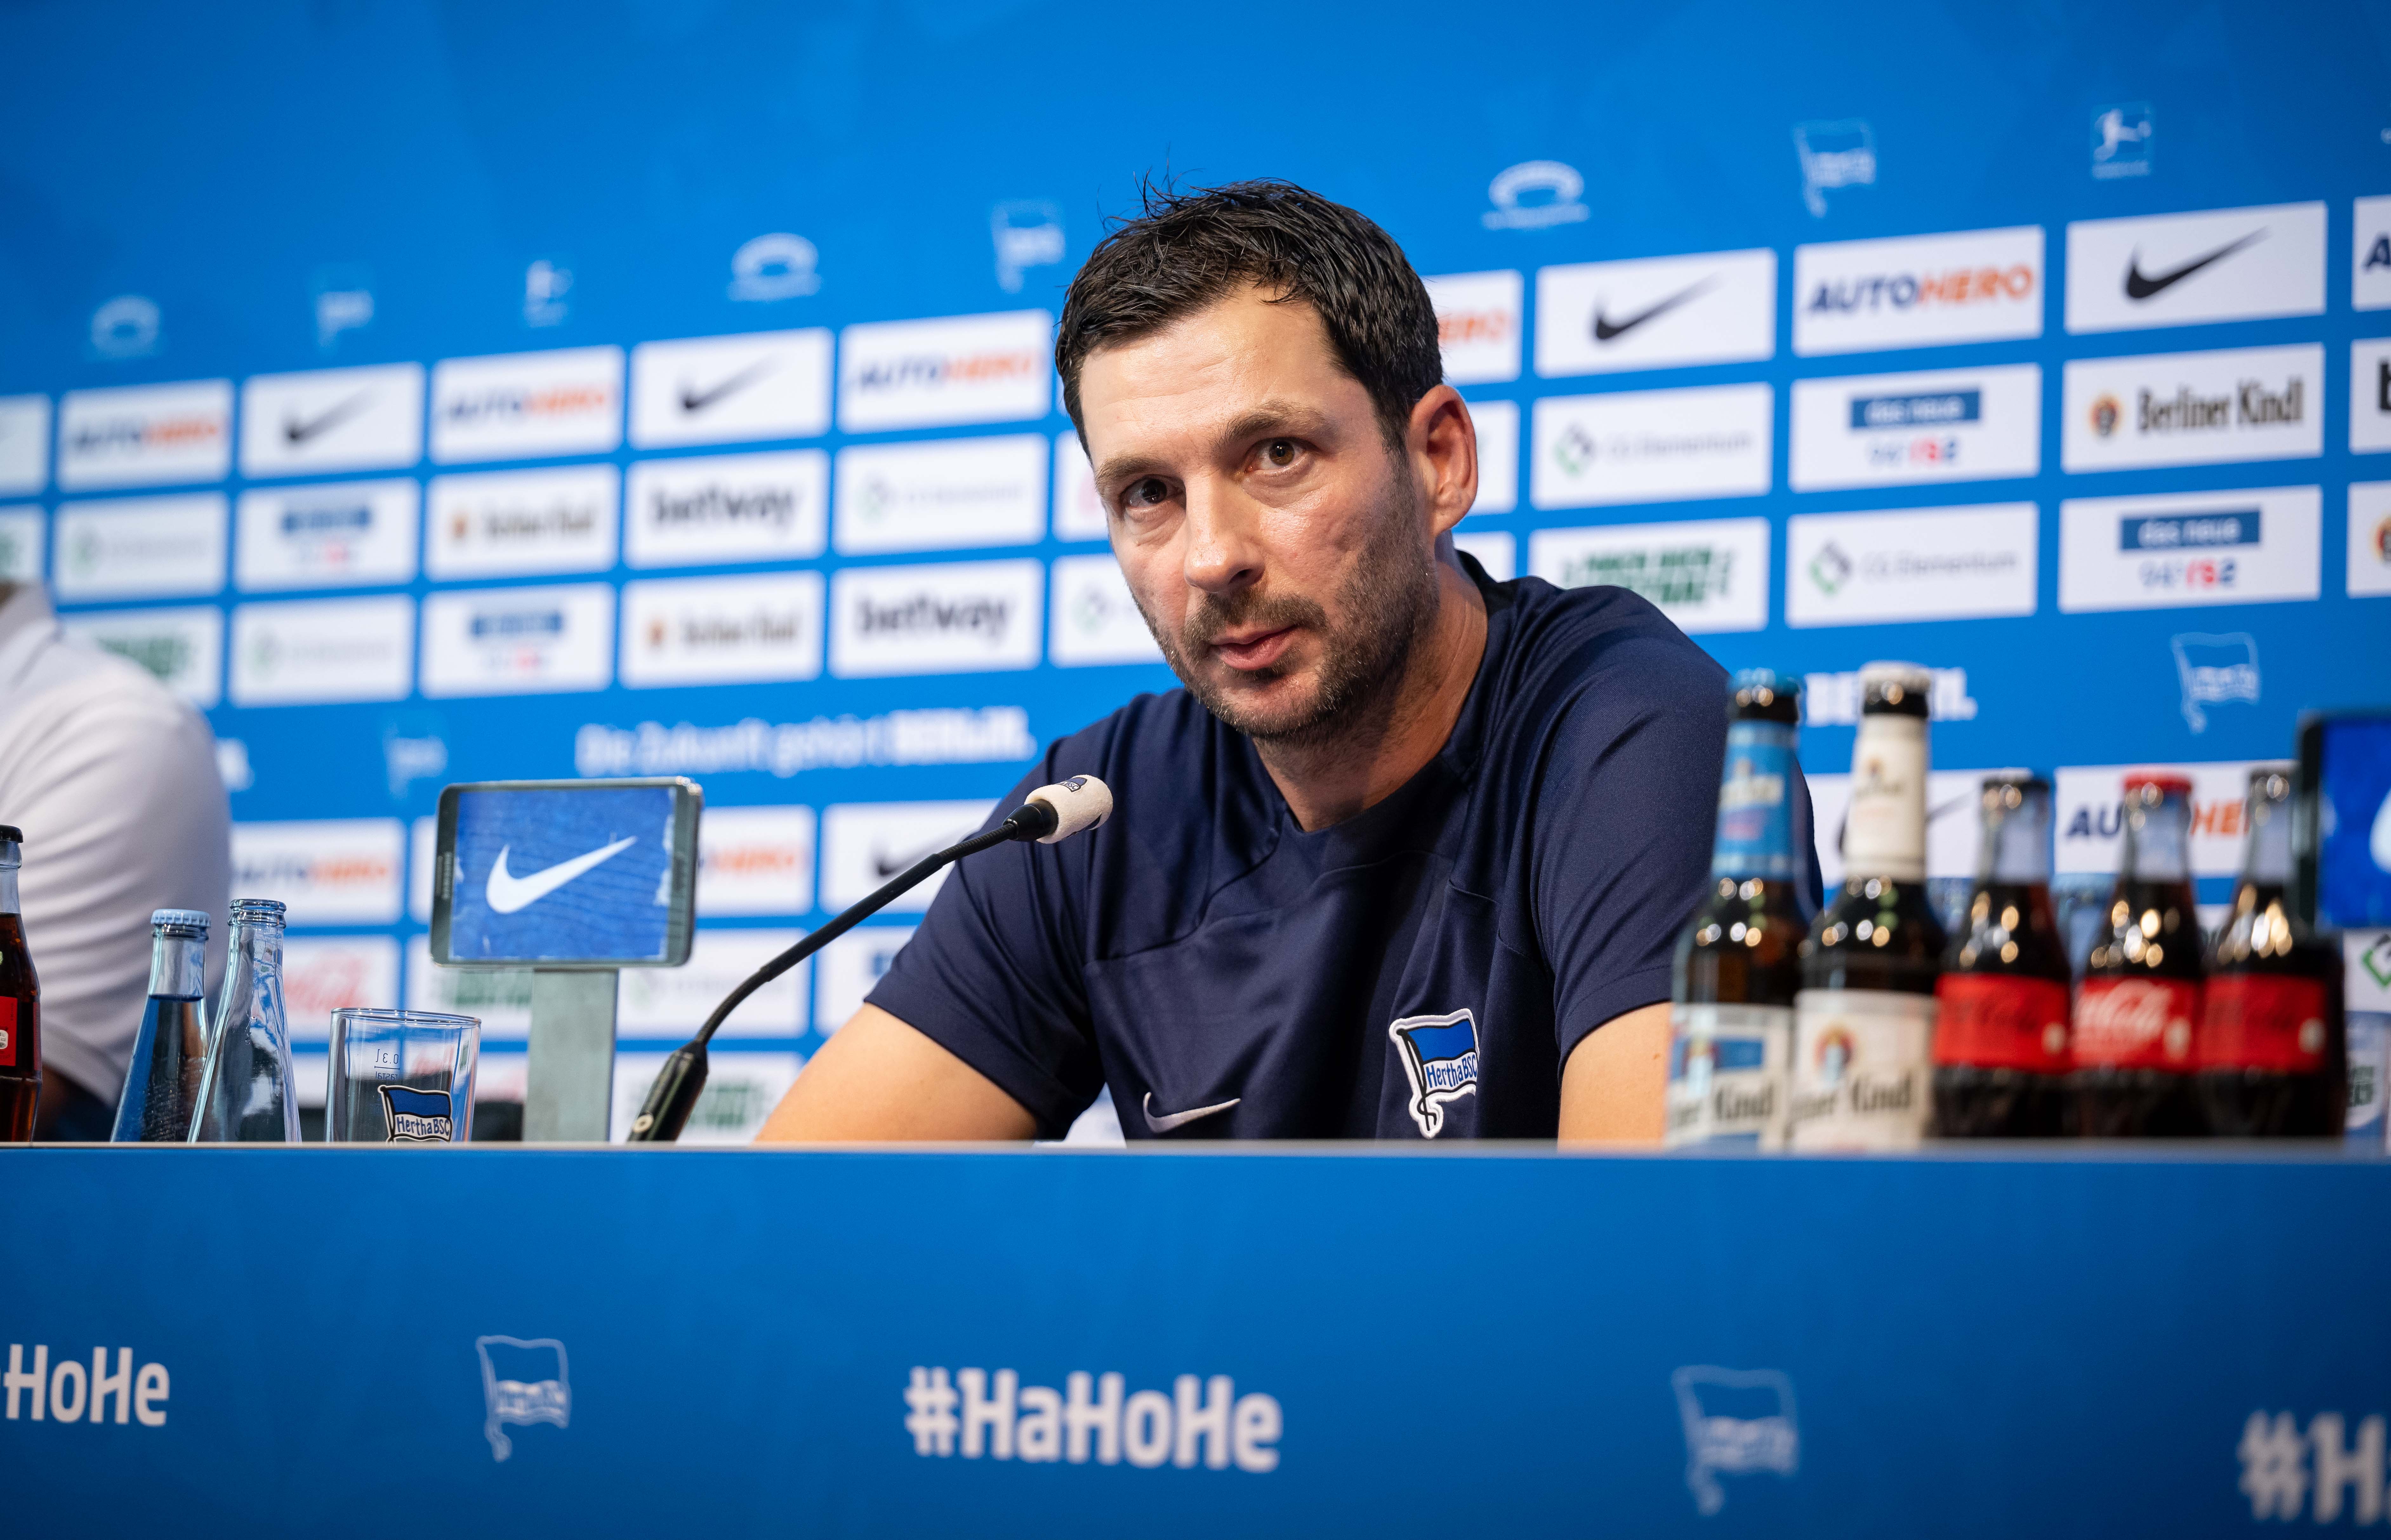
point(1443, 442)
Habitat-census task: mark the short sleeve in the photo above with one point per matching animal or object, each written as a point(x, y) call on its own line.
point(992, 976)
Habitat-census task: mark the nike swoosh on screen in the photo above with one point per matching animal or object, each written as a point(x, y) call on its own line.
point(1170, 1121)
point(694, 401)
point(299, 432)
point(507, 893)
point(1605, 330)
point(2139, 286)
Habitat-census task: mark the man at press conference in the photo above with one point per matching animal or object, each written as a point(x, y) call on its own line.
point(1407, 855)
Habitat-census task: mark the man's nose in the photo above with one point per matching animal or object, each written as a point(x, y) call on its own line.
point(1224, 551)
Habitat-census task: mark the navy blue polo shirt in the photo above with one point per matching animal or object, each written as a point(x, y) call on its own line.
point(1421, 970)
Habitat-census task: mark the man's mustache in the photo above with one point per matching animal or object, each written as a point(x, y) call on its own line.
point(1216, 616)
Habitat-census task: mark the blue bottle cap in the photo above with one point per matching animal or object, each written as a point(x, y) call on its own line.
point(180, 922)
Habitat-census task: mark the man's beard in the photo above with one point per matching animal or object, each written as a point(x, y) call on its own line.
point(1386, 602)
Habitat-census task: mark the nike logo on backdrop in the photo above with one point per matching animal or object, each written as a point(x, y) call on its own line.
point(889, 868)
point(1170, 1121)
point(2141, 286)
point(507, 892)
point(1605, 330)
point(697, 400)
point(299, 431)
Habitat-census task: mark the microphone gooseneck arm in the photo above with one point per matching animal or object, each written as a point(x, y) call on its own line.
point(1051, 813)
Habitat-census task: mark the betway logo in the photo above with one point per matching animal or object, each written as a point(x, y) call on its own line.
point(65, 1394)
point(927, 613)
point(1857, 296)
point(722, 505)
point(988, 1416)
point(961, 369)
point(933, 619)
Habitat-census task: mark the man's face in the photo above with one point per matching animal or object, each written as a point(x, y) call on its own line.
point(1277, 547)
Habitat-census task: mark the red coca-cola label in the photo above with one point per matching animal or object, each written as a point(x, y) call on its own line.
point(2136, 1023)
point(2262, 1021)
point(7, 1033)
point(2001, 1021)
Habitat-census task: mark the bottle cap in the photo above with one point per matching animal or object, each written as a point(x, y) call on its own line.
point(2163, 782)
point(1895, 689)
point(13, 835)
point(2272, 783)
point(1769, 694)
point(180, 922)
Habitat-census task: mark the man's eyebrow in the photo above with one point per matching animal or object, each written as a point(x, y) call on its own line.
point(1266, 417)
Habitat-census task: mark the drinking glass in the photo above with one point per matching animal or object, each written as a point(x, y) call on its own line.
point(401, 1077)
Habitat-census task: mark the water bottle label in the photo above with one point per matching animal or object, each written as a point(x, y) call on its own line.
point(1755, 821)
point(2261, 1021)
point(1862, 1068)
point(1727, 1074)
point(2135, 1023)
point(2001, 1021)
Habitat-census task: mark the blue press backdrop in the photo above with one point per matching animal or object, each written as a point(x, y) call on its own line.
point(231, 166)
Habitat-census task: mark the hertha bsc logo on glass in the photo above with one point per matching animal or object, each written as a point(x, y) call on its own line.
point(1440, 1055)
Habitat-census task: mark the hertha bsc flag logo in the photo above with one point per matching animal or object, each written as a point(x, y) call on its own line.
point(1440, 1055)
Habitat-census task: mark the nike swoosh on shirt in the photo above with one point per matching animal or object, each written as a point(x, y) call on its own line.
point(1605, 330)
point(299, 431)
point(1170, 1121)
point(696, 400)
point(2138, 285)
point(506, 892)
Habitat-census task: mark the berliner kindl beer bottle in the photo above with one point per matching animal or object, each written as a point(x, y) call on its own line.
point(2271, 1054)
point(1731, 1034)
point(2001, 1030)
point(1864, 1021)
point(2139, 1007)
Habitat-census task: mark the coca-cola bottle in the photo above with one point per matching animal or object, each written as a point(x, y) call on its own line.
point(2271, 1052)
point(1731, 1023)
point(2139, 1007)
point(2000, 1031)
point(20, 1006)
point(1863, 1020)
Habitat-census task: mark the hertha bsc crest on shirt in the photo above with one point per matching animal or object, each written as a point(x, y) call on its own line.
point(1440, 1055)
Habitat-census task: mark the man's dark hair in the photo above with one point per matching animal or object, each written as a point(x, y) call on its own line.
point(1189, 250)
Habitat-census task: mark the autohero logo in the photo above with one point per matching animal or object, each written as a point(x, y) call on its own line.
point(134, 548)
point(506, 522)
point(933, 619)
point(1707, 575)
point(2225, 264)
point(525, 405)
point(63, 1392)
point(308, 652)
point(2089, 810)
point(2192, 409)
point(2370, 538)
point(755, 861)
point(1880, 429)
point(2119, 554)
point(967, 368)
point(145, 435)
point(329, 870)
point(2370, 267)
point(1478, 322)
point(1199, 1421)
point(702, 630)
point(1917, 292)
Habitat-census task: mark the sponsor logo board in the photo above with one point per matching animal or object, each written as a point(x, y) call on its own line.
point(1717, 307)
point(2089, 806)
point(726, 390)
point(145, 435)
point(1707, 575)
point(526, 406)
point(2182, 269)
point(1651, 445)
point(727, 508)
point(2194, 408)
point(2191, 547)
point(1948, 563)
point(2370, 265)
point(2369, 538)
point(1094, 618)
point(1973, 286)
point(940, 496)
point(2124, 140)
point(338, 534)
point(134, 548)
point(1953, 821)
point(865, 844)
point(1477, 325)
point(675, 1001)
point(1886, 429)
point(957, 617)
point(1079, 511)
point(323, 974)
point(331, 419)
point(331, 871)
point(940, 374)
point(1498, 456)
point(21, 531)
point(519, 641)
point(314, 651)
point(722, 630)
point(25, 442)
point(755, 861)
point(743, 1086)
point(1831, 697)
point(1497, 552)
point(1534, 195)
point(2370, 395)
point(183, 648)
point(516, 522)
point(499, 998)
point(849, 967)
point(1838, 154)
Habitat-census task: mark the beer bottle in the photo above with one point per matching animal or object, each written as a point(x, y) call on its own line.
point(1731, 1021)
point(2271, 1056)
point(161, 1085)
point(1863, 1020)
point(2001, 1030)
point(20, 1006)
point(2138, 1005)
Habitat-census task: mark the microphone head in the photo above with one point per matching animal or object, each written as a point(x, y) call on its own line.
point(1082, 802)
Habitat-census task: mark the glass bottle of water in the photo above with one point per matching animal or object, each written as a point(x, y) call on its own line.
point(162, 1084)
point(245, 1092)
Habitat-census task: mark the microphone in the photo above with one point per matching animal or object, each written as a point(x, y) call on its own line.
point(1048, 815)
